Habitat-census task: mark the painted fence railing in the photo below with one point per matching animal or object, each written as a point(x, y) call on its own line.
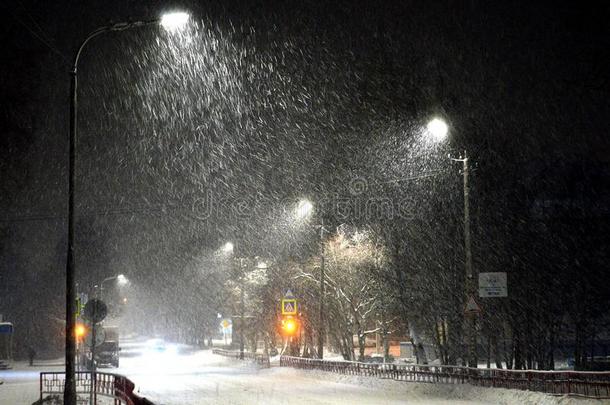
point(112, 388)
point(582, 383)
point(260, 359)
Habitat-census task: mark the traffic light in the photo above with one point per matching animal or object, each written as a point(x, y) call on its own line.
point(80, 331)
point(289, 326)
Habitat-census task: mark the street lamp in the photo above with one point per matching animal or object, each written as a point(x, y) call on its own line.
point(228, 248)
point(305, 209)
point(172, 21)
point(120, 279)
point(438, 129)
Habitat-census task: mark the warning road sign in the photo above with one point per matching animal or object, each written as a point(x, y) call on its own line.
point(289, 306)
point(472, 308)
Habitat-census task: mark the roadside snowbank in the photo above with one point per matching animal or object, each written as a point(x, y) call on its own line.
point(460, 392)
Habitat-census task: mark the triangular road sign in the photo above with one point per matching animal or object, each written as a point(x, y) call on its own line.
point(289, 294)
point(472, 307)
point(289, 306)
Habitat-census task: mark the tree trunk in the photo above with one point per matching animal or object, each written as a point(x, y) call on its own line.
point(578, 357)
point(551, 355)
point(415, 351)
point(361, 345)
point(489, 350)
point(528, 344)
point(386, 347)
point(444, 355)
point(494, 347)
point(508, 354)
point(347, 350)
point(454, 338)
point(517, 354)
point(422, 353)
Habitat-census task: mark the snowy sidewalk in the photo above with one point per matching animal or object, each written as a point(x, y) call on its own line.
point(21, 383)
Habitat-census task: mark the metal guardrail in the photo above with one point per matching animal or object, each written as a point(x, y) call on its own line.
point(260, 359)
point(580, 383)
point(117, 388)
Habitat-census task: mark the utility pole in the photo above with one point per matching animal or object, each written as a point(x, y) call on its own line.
point(92, 394)
point(469, 286)
point(438, 128)
point(70, 344)
point(242, 309)
point(322, 278)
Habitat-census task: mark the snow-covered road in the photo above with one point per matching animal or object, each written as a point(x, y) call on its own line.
point(171, 374)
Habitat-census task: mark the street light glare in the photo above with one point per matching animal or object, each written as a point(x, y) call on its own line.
point(121, 279)
point(438, 129)
point(174, 21)
point(304, 209)
point(228, 247)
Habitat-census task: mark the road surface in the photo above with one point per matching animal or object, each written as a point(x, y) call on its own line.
point(170, 374)
point(173, 376)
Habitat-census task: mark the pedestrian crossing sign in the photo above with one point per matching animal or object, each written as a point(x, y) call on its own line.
point(289, 306)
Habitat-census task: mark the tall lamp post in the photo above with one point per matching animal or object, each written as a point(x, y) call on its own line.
point(170, 22)
point(228, 248)
point(439, 129)
point(305, 209)
point(242, 310)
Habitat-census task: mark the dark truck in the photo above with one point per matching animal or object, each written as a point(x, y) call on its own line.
point(107, 353)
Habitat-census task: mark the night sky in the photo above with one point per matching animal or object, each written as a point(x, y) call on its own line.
point(274, 100)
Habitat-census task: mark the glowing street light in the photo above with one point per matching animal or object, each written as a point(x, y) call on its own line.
point(228, 247)
point(174, 21)
point(304, 209)
point(438, 129)
point(121, 279)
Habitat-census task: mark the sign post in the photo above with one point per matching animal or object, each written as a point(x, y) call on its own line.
point(493, 285)
point(95, 311)
point(289, 304)
point(227, 329)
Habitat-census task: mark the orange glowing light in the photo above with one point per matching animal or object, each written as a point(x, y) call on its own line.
point(80, 331)
point(290, 326)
